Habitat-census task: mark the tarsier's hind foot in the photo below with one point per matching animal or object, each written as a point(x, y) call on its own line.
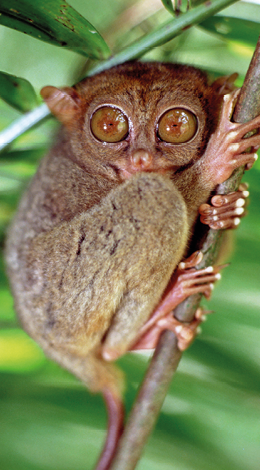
point(225, 211)
point(187, 281)
point(185, 332)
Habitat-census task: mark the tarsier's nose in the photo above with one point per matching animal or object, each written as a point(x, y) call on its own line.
point(141, 160)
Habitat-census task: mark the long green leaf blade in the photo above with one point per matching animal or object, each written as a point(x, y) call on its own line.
point(233, 28)
point(173, 6)
point(164, 33)
point(17, 92)
point(169, 6)
point(56, 22)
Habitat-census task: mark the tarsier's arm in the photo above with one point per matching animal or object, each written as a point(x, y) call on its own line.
point(224, 153)
point(224, 212)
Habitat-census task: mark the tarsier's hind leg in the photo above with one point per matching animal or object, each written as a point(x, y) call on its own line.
point(156, 221)
point(187, 280)
point(225, 212)
point(94, 281)
point(100, 266)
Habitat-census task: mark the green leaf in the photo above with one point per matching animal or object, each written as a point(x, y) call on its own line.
point(162, 35)
point(18, 353)
point(55, 22)
point(169, 6)
point(195, 3)
point(17, 92)
point(233, 28)
point(173, 6)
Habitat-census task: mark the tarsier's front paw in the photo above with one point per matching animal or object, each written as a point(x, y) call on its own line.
point(226, 147)
point(226, 210)
point(187, 281)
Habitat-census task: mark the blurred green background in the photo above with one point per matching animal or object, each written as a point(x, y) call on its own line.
point(210, 418)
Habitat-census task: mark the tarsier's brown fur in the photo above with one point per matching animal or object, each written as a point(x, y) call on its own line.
point(89, 253)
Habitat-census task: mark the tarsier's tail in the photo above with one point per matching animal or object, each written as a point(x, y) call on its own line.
point(115, 411)
point(106, 378)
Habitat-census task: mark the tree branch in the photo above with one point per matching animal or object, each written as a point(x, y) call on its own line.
point(167, 355)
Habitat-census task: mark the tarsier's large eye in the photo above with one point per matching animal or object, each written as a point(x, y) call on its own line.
point(177, 126)
point(109, 124)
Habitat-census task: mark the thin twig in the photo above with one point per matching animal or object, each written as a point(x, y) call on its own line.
point(167, 355)
point(21, 125)
point(148, 403)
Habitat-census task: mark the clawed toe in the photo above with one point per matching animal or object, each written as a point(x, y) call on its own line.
point(186, 282)
point(185, 332)
point(225, 211)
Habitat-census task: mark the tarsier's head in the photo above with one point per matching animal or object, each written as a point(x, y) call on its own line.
point(139, 116)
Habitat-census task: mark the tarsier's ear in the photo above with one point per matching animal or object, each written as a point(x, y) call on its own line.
point(224, 85)
point(63, 103)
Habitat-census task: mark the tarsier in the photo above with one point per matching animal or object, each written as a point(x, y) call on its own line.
point(97, 251)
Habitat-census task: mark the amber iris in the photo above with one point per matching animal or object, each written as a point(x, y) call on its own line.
point(109, 124)
point(177, 126)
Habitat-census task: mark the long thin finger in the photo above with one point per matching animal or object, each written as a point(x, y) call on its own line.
point(201, 280)
point(237, 198)
point(225, 224)
point(192, 261)
point(201, 272)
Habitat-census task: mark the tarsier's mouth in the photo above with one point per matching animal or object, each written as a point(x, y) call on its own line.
point(128, 173)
